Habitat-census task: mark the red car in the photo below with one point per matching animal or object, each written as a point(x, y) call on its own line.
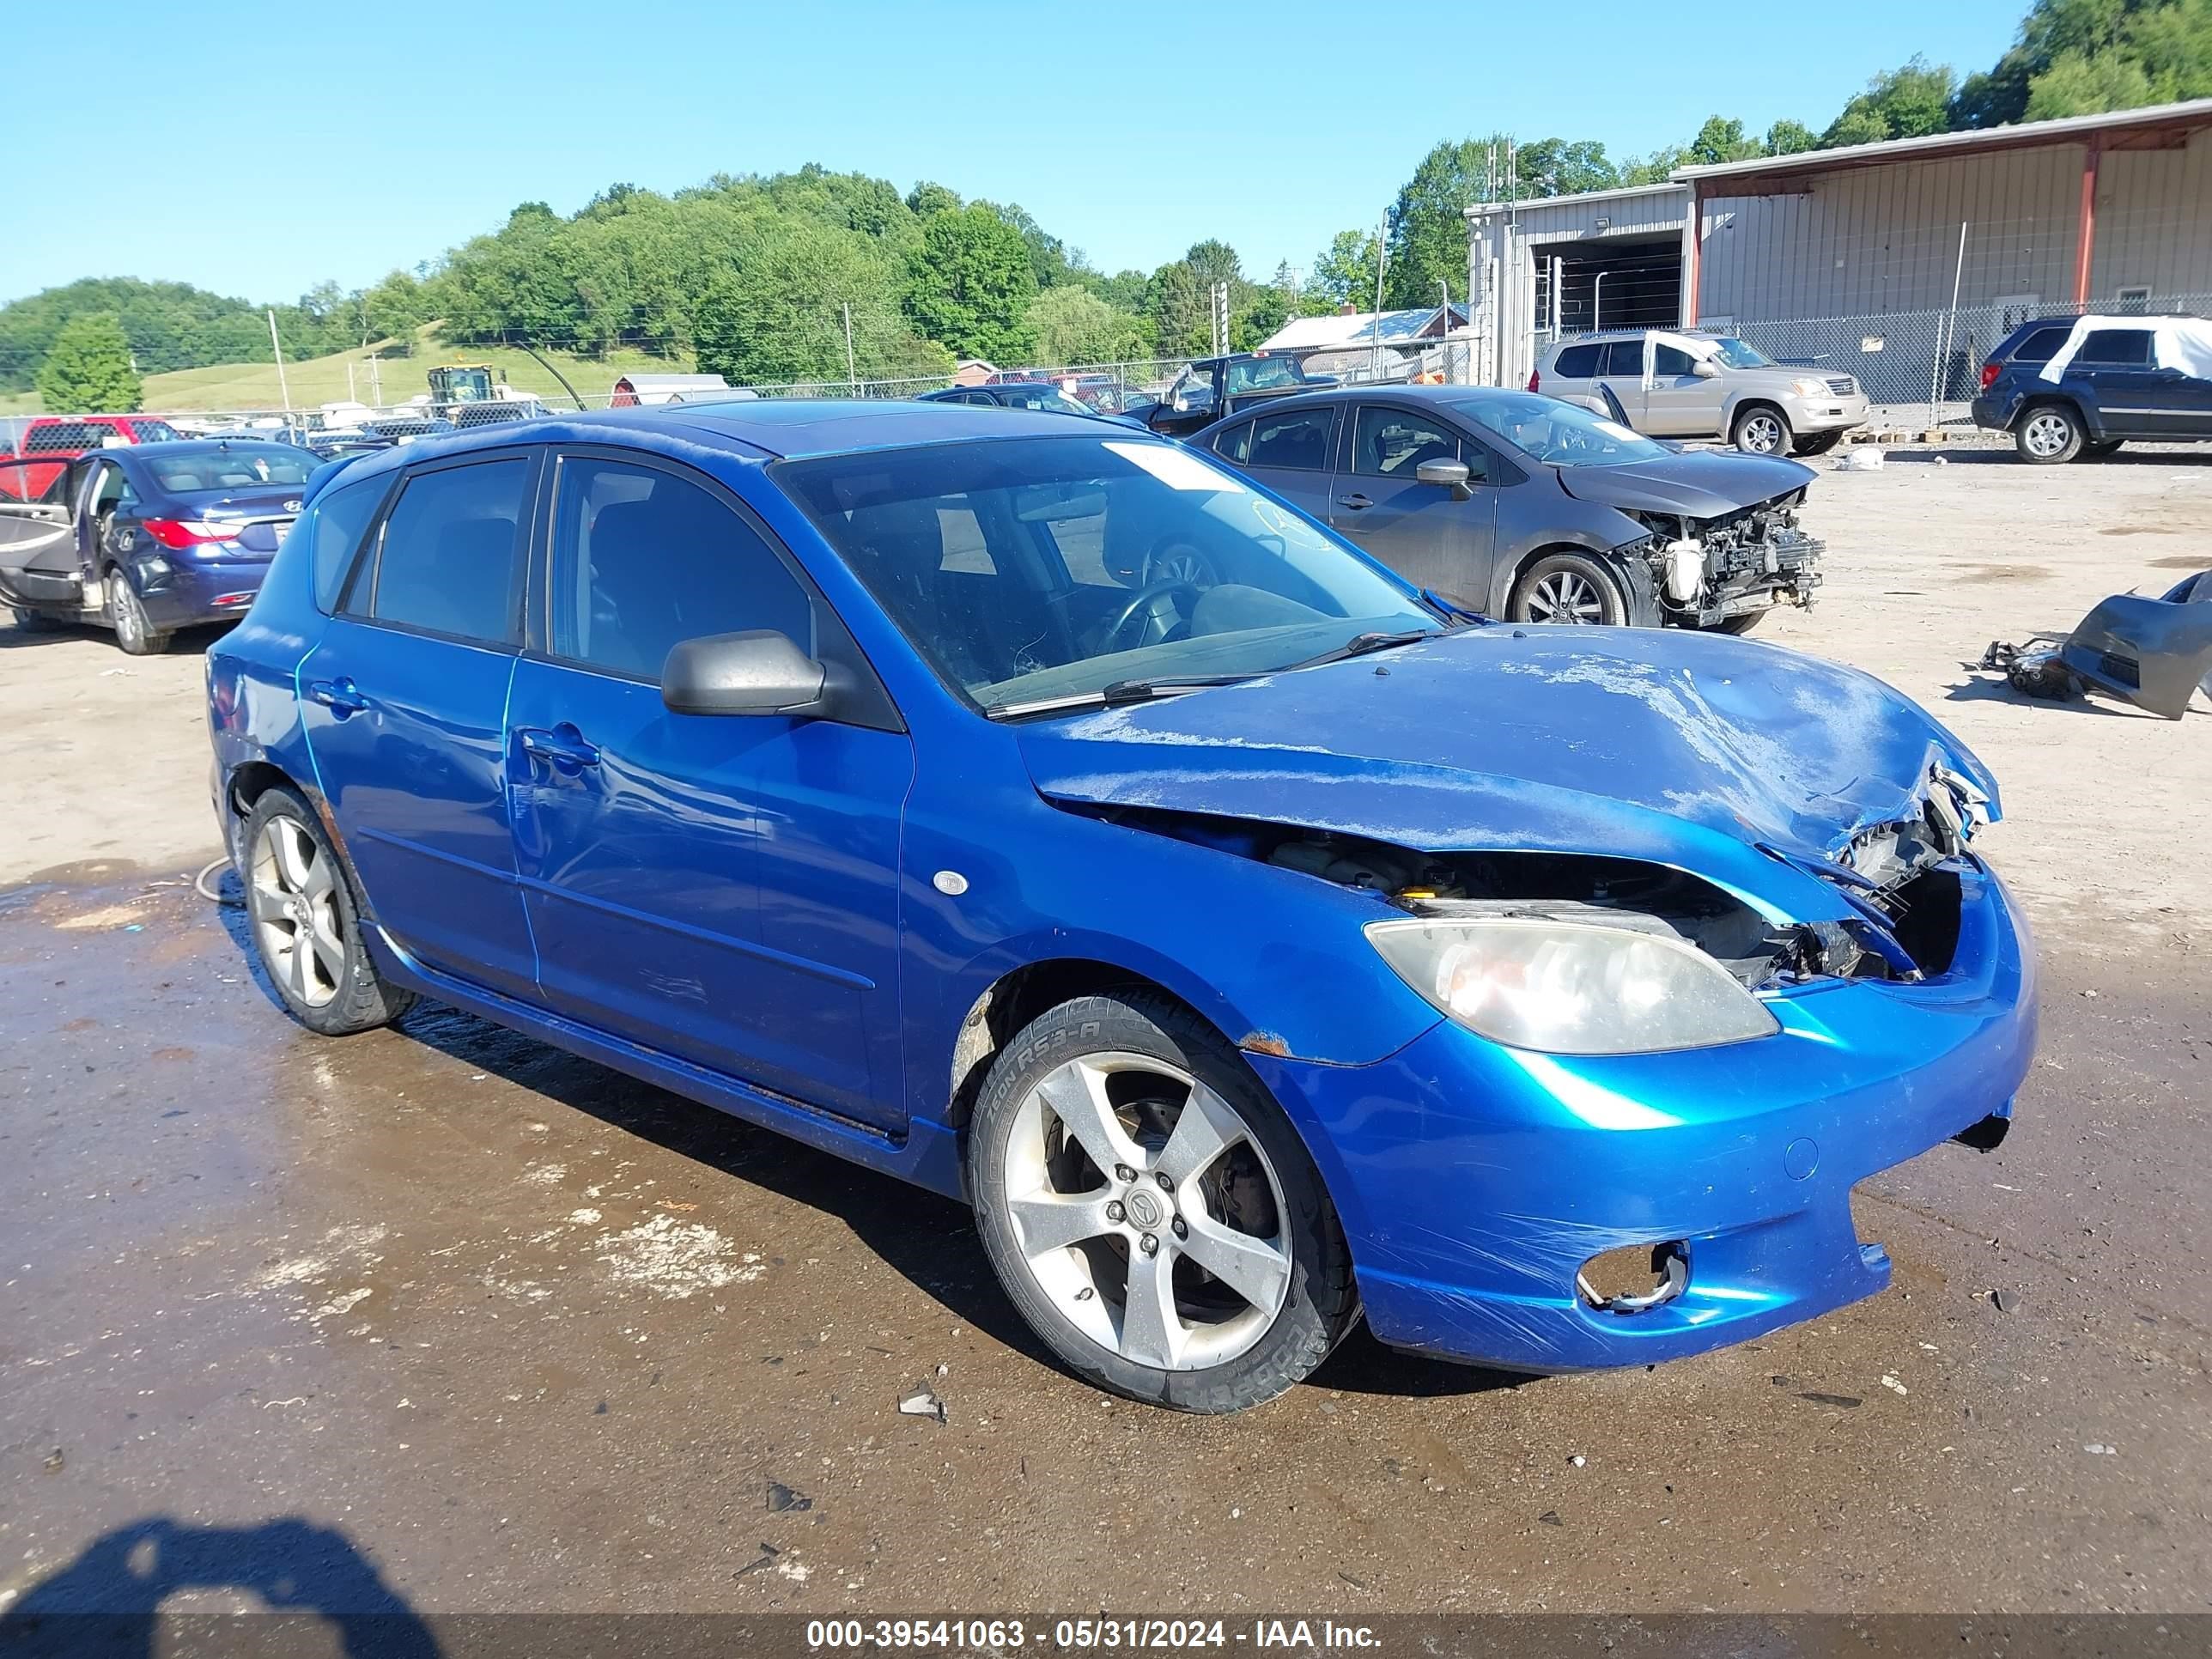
point(66, 437)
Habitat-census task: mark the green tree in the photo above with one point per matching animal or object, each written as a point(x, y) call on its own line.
point(777, 314)
point(1656, 168)
point(1343, 273)
point(969, 284)
point(1719, 140)
point(1560, 166)
point(2083, 83)
point(394, 309)
point(1176, 300)
point(1428, 224)
point(926, 198)
point(1266, 310)
point(1908, 102)
point(1071, 324)
point(88, 368)
point(1788, 137)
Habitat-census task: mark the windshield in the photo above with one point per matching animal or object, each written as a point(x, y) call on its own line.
point(1557, 434)
point(1038, 568)
point(1051, 402)
point(1736, 354)
point(235, 467)
point(1259, 373)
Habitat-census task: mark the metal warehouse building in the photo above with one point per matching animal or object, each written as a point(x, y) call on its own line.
point(1903, 262)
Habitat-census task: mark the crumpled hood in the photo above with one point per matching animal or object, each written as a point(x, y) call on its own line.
point(1698, 484)
point(1694, 750)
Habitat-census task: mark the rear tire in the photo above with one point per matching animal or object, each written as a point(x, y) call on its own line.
point(1761, 429)
point(2048, 435)
point(1121, 1152)
point(34, 622)
point(1742, 622)
point(1567, 588)
point(2102, 447)
point(126, 614)
point(304, 911)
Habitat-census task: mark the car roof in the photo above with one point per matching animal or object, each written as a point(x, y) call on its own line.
point(775, 428)
point(170, 447)
point(1425, 392)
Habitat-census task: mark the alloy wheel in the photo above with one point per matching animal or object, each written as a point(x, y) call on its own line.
point(1147, 1212)
point(2048, 434)
point(124, 612)
point(291, 891)
point(1566, 596)
point(1761, 434)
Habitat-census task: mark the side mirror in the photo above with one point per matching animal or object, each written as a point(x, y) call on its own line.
point(1448, 475)
point(759, 671)
point(1705, 370)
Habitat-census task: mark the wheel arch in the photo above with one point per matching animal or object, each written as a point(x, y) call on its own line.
point(1021, 993)
point(1639, 602)
point(2065, 401)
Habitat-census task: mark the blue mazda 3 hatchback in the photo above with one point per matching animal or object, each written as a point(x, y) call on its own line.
point(1256, 948)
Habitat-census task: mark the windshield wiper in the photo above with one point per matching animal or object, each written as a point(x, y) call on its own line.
point(1112, 695)
point(1360, 645)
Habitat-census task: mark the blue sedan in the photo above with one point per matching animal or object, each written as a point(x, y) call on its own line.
point(146, 538)
point(1256, 951)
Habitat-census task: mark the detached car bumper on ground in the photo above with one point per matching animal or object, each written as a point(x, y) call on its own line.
point(1250, 944)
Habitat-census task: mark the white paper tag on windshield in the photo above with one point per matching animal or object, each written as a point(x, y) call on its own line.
point(1175, 467)
point(1614, 429)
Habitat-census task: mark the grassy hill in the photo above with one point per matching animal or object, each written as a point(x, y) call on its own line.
point(324, 380)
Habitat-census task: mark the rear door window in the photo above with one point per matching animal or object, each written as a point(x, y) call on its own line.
point(1299, 441)
point(450, 561)
point(1625, 358)
point(1579, 362)
point(2123, 348)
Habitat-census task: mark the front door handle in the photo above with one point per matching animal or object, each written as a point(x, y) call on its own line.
point(1356, 502)
point(562, 747)
point(341, 695)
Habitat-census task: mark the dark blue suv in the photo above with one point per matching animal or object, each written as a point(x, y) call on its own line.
point(1040, 812)
point(2072, 387)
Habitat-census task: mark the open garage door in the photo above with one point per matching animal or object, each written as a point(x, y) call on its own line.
point(1611, 285)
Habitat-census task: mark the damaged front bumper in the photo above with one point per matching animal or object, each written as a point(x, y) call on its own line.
point(1477, 1181)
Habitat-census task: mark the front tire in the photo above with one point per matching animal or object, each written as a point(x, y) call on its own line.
point(306, 919)
point(1151, 1211)
point(1742, 622)
point(1818, 443)
point(1761, 429)
point(126, 614)
point(1567, 588)
point(2048, 435)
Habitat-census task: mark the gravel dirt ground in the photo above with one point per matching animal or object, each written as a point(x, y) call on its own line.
point(494, 1329)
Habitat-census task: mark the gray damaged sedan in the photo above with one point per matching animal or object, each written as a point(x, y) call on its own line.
point(1526, 507)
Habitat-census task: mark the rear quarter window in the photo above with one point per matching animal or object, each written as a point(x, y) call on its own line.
point(1578, 363)
point(332, 528)
point(2041, 346)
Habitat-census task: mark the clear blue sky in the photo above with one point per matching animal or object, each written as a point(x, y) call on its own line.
point(344, 140)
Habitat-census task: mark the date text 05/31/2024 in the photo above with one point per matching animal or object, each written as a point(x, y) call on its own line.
point(955, 1635)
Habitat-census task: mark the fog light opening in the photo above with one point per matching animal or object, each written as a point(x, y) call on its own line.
point(1635, 1278)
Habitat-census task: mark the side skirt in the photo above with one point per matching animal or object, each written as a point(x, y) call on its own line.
point(928, 1155)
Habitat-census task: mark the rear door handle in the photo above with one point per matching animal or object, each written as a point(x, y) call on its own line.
point(1355, 502)
point(341, 695)
point(563, 748)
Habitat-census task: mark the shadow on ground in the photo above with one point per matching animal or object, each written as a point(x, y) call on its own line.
point(108, 1603)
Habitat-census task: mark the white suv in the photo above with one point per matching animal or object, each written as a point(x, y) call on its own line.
point(1670, 384)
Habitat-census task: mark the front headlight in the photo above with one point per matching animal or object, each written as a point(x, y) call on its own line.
point(1565, 987)
point(1812, 388)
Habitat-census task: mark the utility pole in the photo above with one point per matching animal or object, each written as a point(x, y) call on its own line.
point(1375, 328)
point(375, 381)
point(277, 346)
point(1219, 309)
point(350, 397)
point(851, 380)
